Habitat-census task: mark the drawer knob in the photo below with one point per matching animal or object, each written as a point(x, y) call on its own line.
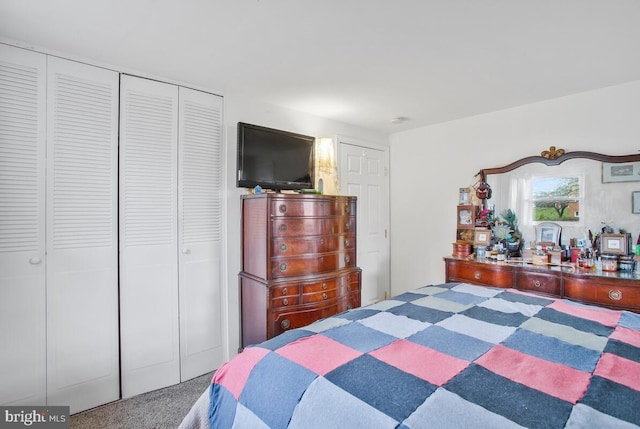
point(615, 295)
point(283, 227)
point(283, 247)
point(347, 258)
point(536, 283)
point(324, 286)
point(324, 295)
point(347, 242)
point(282, 208)
point(477, 275)
point(285, 324)
point(284, 290)
point(285, 301)
point(347, 208)
point(283, 267)
point(322, 241)
point(347, 226)
point(321, 259)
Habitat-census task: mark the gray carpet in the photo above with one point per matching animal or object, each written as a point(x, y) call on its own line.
point(163, 408)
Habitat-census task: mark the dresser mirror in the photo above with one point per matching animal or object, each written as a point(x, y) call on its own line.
point(580, 191)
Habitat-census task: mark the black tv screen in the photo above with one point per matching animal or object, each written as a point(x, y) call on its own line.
point(274, 159)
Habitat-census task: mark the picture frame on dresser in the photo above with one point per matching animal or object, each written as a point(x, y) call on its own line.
point(466, 216)
point(482, 237)
point(614, 244)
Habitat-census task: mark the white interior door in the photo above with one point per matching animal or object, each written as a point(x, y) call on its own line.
point(363, 169)
point(22, 227)
point(200, 232)
point(82, 235)
point(148, 235)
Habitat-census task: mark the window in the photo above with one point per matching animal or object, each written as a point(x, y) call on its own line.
point(556, 199)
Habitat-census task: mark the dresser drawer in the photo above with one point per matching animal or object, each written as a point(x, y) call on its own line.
point(482, 274)
point(311, 264)
point(283, 227)
point(290, 319)
point(603, 291)
point(312, 207)
point(317, 244)
point(539, 282)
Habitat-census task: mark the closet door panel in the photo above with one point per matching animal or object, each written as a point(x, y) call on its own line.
point(82, 250)
point(148, 235)
point(200, 232)
point(22, 227)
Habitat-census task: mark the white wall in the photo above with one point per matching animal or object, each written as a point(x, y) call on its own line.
point(236, 110)
point(429, 164)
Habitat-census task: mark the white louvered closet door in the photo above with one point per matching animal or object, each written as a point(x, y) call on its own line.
point(82, 235)
point(22, 227)
point(200, 232)
point(149, 330)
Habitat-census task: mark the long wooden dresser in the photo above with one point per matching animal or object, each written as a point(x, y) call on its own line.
point(298, 261)
point(618, 289)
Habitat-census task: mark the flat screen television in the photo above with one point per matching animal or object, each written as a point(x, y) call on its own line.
point(274, 159)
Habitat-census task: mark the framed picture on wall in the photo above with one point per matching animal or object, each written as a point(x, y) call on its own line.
point(635, 202)
point(620, 172)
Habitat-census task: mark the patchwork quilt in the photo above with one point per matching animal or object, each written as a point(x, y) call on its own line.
point(445, 356)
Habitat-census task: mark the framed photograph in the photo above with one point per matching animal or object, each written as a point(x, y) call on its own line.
point(620, 172)
point(466, 216)
point(635, 202)
point(464, 197)
point(615, 244)
point(482, 237)
point(548, 233)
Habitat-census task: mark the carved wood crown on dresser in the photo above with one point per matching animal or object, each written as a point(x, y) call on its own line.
point(618, 290)
point(298, 261)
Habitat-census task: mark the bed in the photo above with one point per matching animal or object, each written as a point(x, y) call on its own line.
point(442, 356)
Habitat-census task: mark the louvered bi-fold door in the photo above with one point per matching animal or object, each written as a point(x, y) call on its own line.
point(22, 227)
point(200, 232)
point(82, 235)
point(149, 329)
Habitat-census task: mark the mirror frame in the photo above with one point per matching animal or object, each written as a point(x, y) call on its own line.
point(555, 156)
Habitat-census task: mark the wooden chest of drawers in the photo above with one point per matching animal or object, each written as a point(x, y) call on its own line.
point(298, 261)
point(617, 290)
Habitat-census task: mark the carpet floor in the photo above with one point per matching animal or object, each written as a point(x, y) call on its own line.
point(160, 409)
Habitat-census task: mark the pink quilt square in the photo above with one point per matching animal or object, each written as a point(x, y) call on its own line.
point(318, 353)
point(552, 378)
point(626, 335)
point(622, 371)
point(428, 364)
point(233, 375)
point(600, 315)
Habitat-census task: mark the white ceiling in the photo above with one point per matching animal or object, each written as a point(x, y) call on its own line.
point(362, 62)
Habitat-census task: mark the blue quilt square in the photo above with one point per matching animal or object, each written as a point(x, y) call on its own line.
point(578, 323)
point(272, 374)
point(222, 407)
point(451, 343)
point(360, 337)
point(285, 338)
point(629, 320)
point(614, 399)
point(517, 402)
point(461, 297)
point(357, 314)
point(622, 349)
point(497, 317)
point(418, 312)
point(408, 297)
point(553, 350)
point(525, 299)
point(389, 389)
